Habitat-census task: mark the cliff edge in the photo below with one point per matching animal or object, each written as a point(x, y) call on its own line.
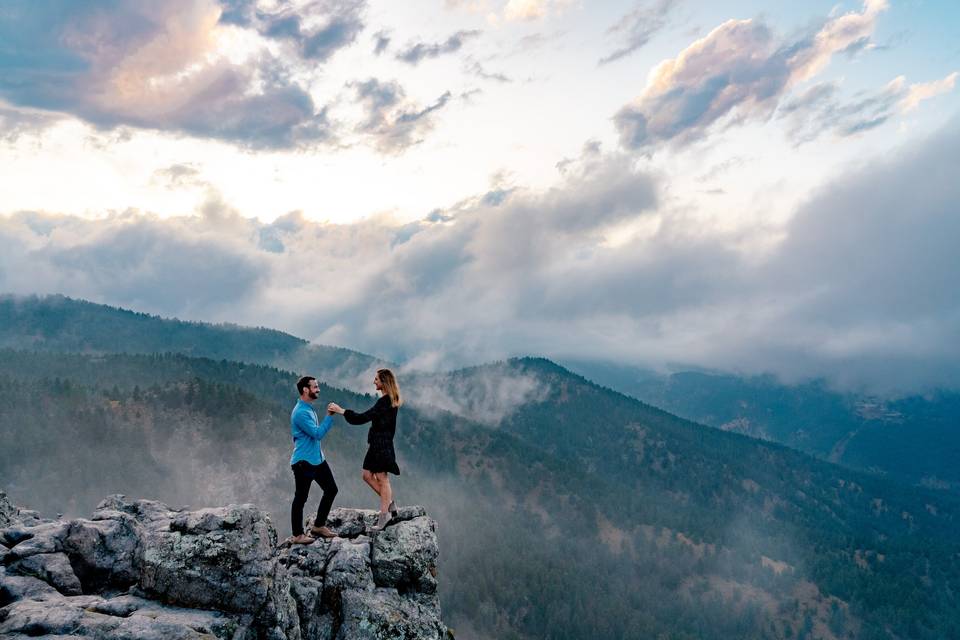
point(139, 569)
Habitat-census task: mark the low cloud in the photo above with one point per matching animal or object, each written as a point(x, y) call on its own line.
point(739, 72)
point(857, 287)
point(487, 396)
point(147, 262)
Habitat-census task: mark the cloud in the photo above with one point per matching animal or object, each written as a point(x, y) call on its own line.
point(177, 176)
point(416, 52)
point(857, 287)
point(147, 262)
point(475, 68)
point(636, 28)
point(317, 29)
point(531, 9)
point(917, 93)
point(511, 10)
point(159, 66)
point(869, 263)
point(486, 396)
point(525, 9)
point(17, 122)
point(819, 109)
point(382, 41)
point(738, 72)
point(393, 122)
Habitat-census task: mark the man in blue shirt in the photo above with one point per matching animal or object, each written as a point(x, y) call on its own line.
point(308, 464)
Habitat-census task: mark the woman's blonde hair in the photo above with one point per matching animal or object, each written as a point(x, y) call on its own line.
point(390, 387)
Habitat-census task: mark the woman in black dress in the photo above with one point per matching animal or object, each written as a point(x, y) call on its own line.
point(380, 459)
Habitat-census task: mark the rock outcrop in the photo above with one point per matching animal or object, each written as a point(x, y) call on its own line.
point(143, 570)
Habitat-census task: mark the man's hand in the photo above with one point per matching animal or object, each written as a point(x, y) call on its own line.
point(333, 408)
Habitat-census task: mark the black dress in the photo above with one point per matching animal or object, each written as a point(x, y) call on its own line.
point(380, 455)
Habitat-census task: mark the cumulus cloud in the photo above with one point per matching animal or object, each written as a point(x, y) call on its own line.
point(858, 288)
point(159, 66)
point(635, 29)
point(738, 72)
point(416, 52)
point(392, 121)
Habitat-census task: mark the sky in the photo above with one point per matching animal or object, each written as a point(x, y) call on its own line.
point(745, 186)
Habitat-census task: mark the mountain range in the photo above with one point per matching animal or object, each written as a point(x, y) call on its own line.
point(566, 509)
point(915, 439)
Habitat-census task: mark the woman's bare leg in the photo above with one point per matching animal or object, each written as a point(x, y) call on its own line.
point(386, 491)
point(371, 479)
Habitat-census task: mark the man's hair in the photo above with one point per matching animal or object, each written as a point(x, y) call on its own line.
point(303, 383)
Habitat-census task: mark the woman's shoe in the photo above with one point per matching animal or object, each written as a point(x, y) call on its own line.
point(382, 521)
point(392, 509)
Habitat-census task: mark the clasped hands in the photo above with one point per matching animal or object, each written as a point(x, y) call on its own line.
point(333, 408)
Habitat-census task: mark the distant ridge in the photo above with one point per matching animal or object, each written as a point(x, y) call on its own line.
point(63, 324)
point(912, 438)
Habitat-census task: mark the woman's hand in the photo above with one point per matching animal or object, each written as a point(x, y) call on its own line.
point(333, 408)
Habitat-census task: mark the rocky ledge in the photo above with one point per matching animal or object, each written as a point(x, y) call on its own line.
point(139, 569)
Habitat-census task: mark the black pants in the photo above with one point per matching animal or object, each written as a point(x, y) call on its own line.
point(303, 474)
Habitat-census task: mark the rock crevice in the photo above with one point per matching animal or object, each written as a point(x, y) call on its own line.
point(142, 569)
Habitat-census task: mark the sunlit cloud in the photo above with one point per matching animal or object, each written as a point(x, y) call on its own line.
point(820, 109)
point(738, 73)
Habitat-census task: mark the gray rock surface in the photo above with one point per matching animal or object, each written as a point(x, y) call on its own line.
point(52, 568)
point(405, 557)
point(139, 569)
point(8, 511)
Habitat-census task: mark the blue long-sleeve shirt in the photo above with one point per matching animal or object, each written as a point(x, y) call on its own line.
point(307, 434)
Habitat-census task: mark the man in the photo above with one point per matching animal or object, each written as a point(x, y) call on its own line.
point(308, 464)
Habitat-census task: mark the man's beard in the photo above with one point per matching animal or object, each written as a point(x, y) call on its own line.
point(314, 395)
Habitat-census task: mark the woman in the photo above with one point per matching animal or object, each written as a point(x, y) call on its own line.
point(380, 459)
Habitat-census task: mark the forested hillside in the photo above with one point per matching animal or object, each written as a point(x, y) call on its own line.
point(61, 324)
point(576, 509)
point(915, 439)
